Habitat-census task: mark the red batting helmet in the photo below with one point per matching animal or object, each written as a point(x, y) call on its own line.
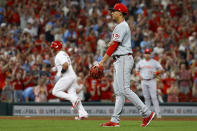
point(56, 45)
point(147, 51)
point(120, 7)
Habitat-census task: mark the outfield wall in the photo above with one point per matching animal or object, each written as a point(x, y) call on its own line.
point(94, 109)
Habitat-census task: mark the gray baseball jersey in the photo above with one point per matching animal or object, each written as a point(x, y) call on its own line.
point(148, 68)
point(122, 34)
point(122, 72)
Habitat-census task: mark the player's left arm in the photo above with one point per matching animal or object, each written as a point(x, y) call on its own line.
point(65, 61)
point(64, 67)
point(158, 72)
point(159, 69)
point(109, 52)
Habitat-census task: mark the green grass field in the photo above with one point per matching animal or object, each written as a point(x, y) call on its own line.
point(93, 125)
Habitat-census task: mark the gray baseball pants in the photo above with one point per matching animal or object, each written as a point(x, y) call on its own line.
point(122, 74)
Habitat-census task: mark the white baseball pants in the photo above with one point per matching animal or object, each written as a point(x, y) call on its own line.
point(68, 83)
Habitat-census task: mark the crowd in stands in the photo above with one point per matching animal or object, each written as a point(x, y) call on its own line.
point(27, 27)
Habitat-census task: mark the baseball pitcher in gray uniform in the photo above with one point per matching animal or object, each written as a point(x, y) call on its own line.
point(147, 69)
point(121, 51)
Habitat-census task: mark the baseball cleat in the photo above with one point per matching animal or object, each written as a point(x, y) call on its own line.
point(158, 116)
point(81, 118)
point(110, 124)
point(75, 104)
point(146, 121)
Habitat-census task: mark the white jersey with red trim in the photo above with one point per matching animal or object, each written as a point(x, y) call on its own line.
point(122, 34)
point(60, 59)
point(65, 87)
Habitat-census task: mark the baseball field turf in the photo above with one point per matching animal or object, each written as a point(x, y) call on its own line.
point(92, 124)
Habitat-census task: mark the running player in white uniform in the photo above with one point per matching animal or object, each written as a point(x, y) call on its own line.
point(147, 69)
point(120, 49)
point(67, 81)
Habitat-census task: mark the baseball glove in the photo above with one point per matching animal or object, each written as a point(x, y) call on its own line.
point(96, 72)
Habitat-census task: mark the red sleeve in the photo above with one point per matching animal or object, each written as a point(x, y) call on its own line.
point(138, 73)
point(112, 48)
point(157, 73)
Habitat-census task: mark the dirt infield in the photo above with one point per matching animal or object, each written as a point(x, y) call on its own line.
point(93, 118)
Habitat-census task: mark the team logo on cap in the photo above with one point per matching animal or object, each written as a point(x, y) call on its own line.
point(116, 36)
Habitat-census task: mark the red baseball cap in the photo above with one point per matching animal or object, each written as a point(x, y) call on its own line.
point(120, 7)
point(148, 51)
point(56, 45)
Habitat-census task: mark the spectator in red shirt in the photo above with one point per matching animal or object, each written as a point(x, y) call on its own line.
point(15, 17)
point(161, 34)
point(173, 92)
point(18, 86)
point(152, 23)
point(28, 80)
point(3, 69)
point(50, 85)
point(92, 40)
point(184, 83)
point(174, 9)
point(7, 93)
point(94, 89)
point(40, 43)
point(106, 89)
point(167, 83)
